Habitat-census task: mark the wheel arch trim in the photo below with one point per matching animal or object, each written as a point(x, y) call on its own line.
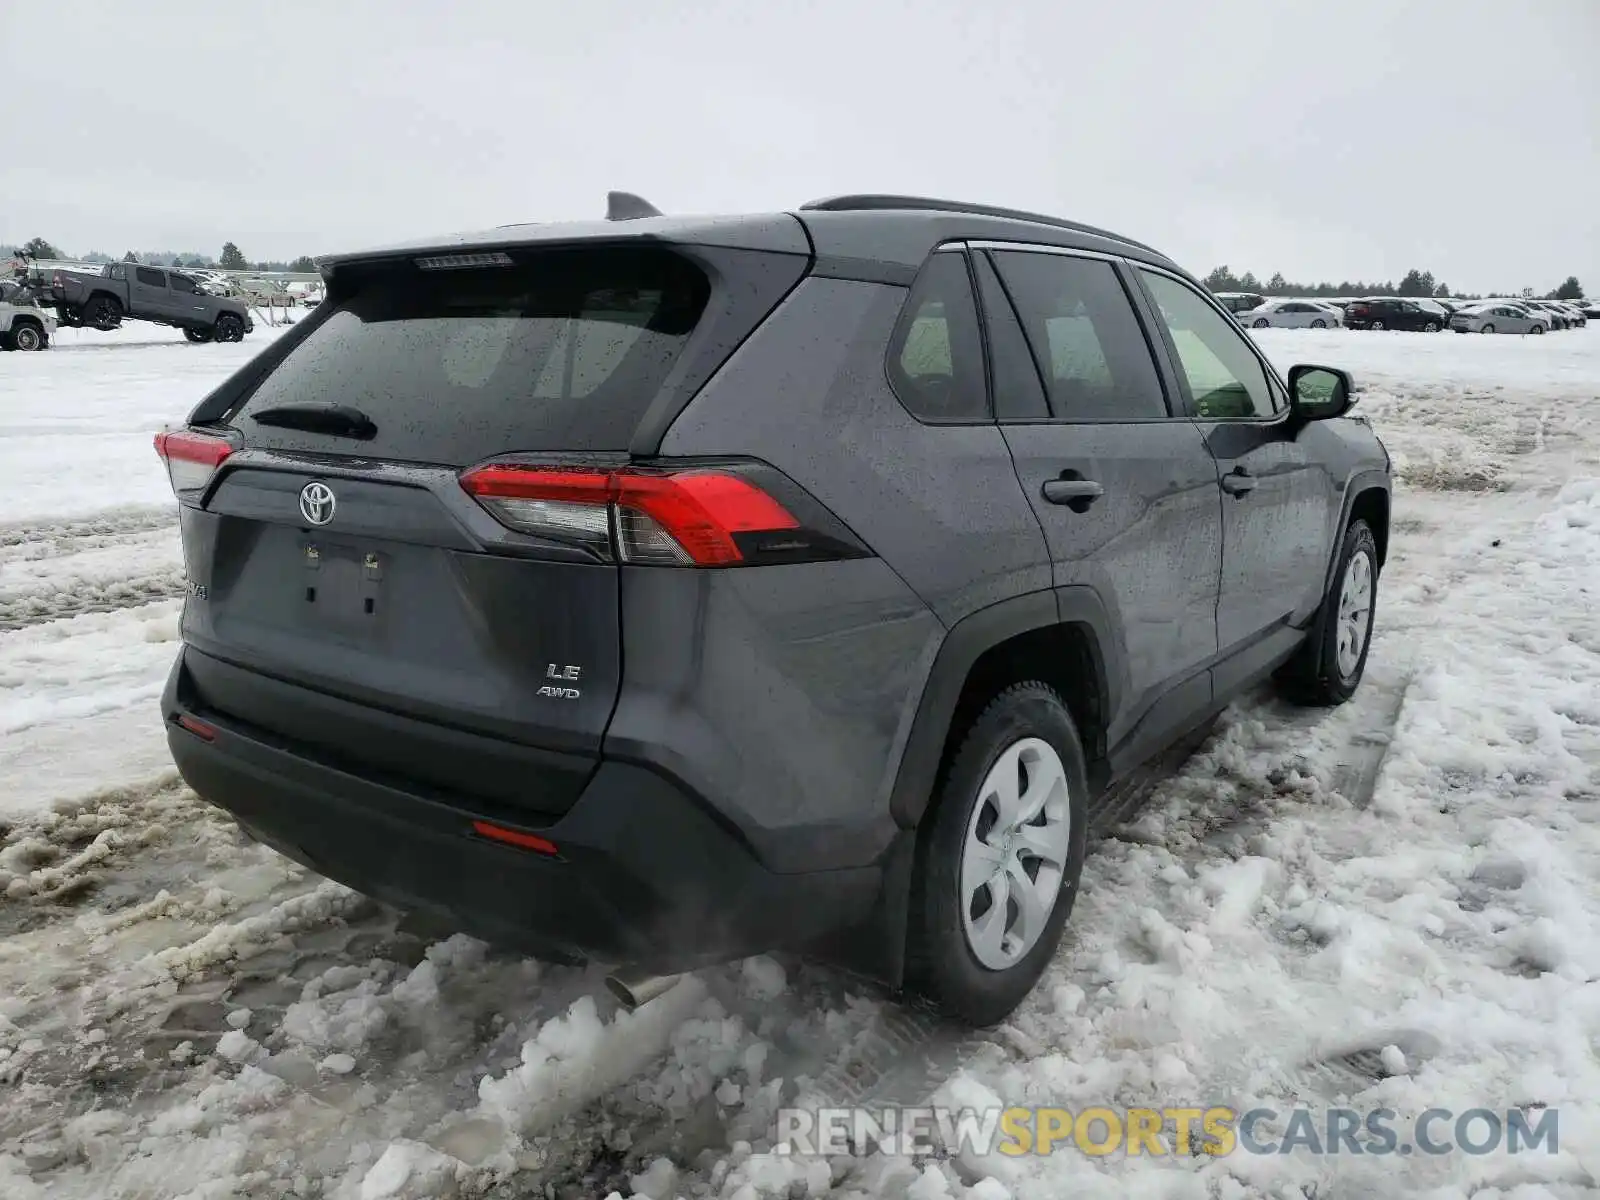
point(965, 643)
point(1361, 483)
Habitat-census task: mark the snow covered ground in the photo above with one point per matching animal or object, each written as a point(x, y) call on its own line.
point(1395, 904)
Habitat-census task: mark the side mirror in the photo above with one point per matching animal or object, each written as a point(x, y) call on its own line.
point(1319, 393)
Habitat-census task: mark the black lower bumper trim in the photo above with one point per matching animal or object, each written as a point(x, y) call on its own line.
point(643, 874)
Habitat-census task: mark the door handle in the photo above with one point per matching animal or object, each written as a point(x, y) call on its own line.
point(1078, 494)
point(1238, 481)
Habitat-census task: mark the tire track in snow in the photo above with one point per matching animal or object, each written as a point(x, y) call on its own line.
point(78, 533)
point(19, 612)
point(94, 564)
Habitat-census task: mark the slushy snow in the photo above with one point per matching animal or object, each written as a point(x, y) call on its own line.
point(1393, 904)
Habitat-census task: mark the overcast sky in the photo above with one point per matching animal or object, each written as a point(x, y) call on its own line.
point(1324, 138)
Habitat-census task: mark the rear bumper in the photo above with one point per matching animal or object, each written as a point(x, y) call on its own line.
point(644, 872)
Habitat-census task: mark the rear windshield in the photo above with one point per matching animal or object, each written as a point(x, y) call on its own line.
point(563, 350)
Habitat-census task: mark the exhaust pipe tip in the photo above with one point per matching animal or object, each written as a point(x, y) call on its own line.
point(633, 990)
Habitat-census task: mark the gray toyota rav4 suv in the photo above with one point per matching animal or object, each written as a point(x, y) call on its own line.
point(656, 591)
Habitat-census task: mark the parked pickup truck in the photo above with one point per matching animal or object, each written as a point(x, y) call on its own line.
point(147, 294)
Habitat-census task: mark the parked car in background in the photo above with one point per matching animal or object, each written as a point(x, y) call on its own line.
point(1289, 314)
point(1393, 312)
point(1498, 318)
point(1238, 302)
point(1590, 308)
point(265, 293)
point(1560, 317)
point(146, 294)
point(1554, 315)
point(1579, 317)
point(1437, 307)
point(492, 659)
point(306, 293)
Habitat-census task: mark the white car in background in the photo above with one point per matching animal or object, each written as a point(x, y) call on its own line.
point(1498, 318)
point(306, 293)
point(265, 293)
point(1289, 314)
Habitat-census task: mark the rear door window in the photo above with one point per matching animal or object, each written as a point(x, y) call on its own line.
point(150, 277)
point(1091, 351)
point(561, 350)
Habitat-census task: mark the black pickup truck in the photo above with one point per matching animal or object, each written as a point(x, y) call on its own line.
point(146, 294)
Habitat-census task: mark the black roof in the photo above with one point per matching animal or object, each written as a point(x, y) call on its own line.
point(891, 233)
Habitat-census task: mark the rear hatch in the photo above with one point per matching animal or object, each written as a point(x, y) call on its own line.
point(360, 593)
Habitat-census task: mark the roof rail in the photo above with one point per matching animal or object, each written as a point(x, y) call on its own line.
point(870, 202)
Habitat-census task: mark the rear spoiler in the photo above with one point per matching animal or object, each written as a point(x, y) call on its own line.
point(628, 218)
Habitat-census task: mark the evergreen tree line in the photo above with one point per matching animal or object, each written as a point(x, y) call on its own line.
point(231, 258)
point(1415, 283)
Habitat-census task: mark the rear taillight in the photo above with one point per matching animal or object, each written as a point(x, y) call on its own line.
point(191, 458)
point(717, 516)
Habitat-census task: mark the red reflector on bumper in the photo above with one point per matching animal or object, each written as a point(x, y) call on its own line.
point(206, 733)
point(513, 837)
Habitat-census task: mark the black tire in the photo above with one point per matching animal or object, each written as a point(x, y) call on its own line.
point(103, 313)
point(1537, 329)
point(1489, 328)
point(940, 963)
point(1376, 325)
point(1260, 323)
point(229, 328)
point(1313, 677)
point(1431, 327)
point(1319, 323)
point(27, 336)
point(197, 335)
point(5, 342)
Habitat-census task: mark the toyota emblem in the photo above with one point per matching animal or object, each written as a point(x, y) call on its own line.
point(317, 503)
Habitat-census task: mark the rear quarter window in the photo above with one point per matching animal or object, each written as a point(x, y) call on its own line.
point(935, 354)
point(563, 350)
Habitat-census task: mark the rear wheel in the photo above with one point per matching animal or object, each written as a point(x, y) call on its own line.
point(1328, 667)
point(104, 313)
point(197, 335)
point(999, 857)
point(229, 328)
point(1487, 329)
point(1259, 323)
point(28, 337)
point(1377, 325)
